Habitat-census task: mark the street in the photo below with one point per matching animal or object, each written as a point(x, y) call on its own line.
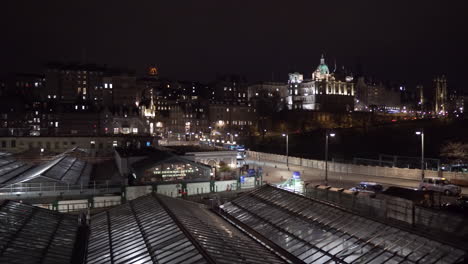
point(274, 172)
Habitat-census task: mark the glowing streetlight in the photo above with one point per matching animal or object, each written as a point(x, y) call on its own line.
point(421, 133)
point(326, 155)
point(287, 149)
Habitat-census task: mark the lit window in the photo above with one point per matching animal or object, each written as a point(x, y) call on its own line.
point(135, 130)
point(76, 107)
point(56, 124)
point(116, 131)
point(84, 90)
point(48, 96)
point(105, 85)
point(110, 85)
point(83, 107)
point(114, 143)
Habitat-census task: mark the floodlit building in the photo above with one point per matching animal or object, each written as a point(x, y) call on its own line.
point(440, 102)
point(325, 91)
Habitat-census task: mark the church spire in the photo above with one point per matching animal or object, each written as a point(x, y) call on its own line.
point(322, 60)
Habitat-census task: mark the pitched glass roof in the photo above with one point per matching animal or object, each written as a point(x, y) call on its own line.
point(319, 233)
point(155, 229)
point(30, 234)
point(64, 168)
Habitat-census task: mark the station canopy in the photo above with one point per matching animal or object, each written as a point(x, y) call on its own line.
point(30, 234)
point(316, 232)
point(10, 168)
point(66, 168)
point(158, 229)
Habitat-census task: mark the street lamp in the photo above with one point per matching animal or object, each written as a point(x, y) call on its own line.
point(421, 133)
point(326, 155)
point(287, 149)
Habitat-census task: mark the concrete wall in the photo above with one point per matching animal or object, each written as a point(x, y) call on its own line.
point(401, 173)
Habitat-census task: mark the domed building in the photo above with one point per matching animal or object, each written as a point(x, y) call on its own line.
point(322, 71)
point(325, 91)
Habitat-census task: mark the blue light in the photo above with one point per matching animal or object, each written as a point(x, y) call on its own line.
point(148, 144)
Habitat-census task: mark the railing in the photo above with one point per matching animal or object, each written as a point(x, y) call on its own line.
point(83, 206)
point(53, 189)
point(378, 171)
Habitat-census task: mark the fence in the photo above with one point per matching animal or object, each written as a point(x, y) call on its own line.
point(67, 206)
point(394, 209)
point(29, 190)
point(390, 172)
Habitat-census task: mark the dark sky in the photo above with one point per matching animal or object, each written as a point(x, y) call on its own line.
point(408, 40)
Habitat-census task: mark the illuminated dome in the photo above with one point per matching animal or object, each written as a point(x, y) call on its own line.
point(323, 68)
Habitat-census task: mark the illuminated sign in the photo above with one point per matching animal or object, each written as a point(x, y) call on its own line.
point(173, 173)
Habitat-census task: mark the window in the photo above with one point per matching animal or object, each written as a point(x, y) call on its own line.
point(3, 144)
point(110, 85)
point(135, 130)
point(116, 130)
point(105, 85)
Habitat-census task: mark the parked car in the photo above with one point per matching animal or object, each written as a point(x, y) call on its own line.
point(437, 184)
point(368, 187)
point(460, 205)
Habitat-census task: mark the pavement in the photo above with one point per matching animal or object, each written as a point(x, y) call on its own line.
point(276, 172)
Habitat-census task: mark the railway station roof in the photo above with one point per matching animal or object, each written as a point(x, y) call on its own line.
point(316, 232)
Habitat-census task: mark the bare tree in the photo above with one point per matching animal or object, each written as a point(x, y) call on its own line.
point(455, 151)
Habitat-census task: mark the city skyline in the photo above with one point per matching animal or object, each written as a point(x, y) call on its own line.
point(401, 42)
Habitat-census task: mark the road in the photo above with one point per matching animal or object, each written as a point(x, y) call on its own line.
point(274, 172)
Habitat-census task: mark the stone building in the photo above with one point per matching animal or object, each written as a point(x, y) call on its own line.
point(325, 91)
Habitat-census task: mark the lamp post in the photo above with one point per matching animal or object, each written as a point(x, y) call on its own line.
point(287, 149)
point(421, 133)
point(326, 155)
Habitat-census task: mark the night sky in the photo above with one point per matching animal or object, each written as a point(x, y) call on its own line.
point(194, 40)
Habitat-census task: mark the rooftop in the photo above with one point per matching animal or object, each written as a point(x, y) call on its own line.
point(31, 234)
point(160, 229)
point(316, 232)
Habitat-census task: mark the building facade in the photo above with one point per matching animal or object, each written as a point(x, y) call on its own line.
point(325, 91)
